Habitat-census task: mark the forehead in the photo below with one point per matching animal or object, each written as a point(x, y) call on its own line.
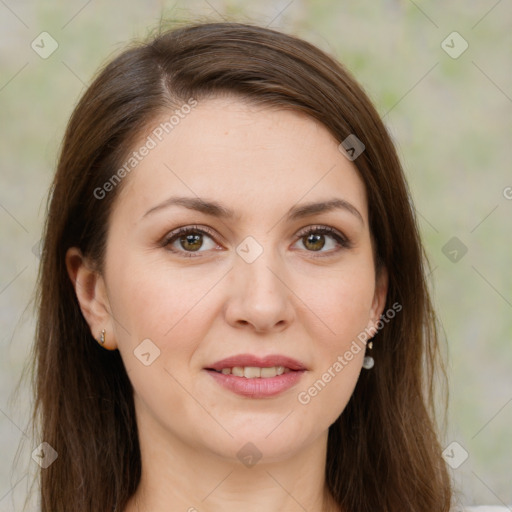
point(246, 156)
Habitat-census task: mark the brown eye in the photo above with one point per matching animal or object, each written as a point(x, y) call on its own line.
point(189, 240)
point(314, 241)
point(316, 238)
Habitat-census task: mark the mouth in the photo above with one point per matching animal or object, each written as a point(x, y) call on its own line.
point(255, 377)
point(254, 372)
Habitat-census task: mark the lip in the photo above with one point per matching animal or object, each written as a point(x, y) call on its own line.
point(257, 387)
point(262, 362)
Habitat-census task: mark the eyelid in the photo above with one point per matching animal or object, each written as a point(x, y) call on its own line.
point(183, 230)
point(342, 240)
point(323, 229)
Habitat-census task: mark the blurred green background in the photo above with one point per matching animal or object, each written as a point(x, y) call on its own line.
point(450, 114)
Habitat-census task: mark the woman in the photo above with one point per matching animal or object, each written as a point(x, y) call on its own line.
point(233, 310)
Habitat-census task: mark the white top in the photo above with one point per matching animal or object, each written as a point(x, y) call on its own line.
point(487, 508)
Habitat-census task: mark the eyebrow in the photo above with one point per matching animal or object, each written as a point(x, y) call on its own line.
point(215, 209)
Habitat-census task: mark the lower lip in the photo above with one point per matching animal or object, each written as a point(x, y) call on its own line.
point(258, 387)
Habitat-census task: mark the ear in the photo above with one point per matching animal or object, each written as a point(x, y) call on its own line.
point(91, 293)
point(379, 297)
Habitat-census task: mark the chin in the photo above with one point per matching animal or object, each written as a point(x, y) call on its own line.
point(261, 439)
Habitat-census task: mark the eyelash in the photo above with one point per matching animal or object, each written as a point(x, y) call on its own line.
point(341, 240)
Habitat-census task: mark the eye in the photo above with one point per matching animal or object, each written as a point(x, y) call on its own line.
point(313, 239)
point(189, 239)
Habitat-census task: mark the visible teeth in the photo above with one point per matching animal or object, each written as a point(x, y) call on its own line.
point(238, 371)
point(250, 372)
point(253, 372)
point(269, 372)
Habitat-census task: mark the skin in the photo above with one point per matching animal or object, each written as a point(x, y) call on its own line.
point(298, 299)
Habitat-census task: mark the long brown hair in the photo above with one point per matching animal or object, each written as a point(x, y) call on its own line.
point(383, 451)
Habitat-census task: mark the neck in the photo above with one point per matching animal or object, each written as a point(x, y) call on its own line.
point(177, 476)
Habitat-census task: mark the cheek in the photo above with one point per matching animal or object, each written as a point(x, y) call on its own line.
point(324, 396)
point(149, 303)
point(168, 308)
point(155, 299)
point(342, 302)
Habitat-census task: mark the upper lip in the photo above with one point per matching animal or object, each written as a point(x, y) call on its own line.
point(261, 362)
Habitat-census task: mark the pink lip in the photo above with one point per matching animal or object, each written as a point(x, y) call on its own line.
point(258, 387)
point(261, 362)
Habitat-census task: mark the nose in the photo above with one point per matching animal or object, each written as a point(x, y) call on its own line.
point(259, 296)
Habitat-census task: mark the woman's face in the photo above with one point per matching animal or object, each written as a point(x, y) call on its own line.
point(248, 280)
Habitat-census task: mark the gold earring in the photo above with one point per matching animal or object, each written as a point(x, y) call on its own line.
point(102, 337)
